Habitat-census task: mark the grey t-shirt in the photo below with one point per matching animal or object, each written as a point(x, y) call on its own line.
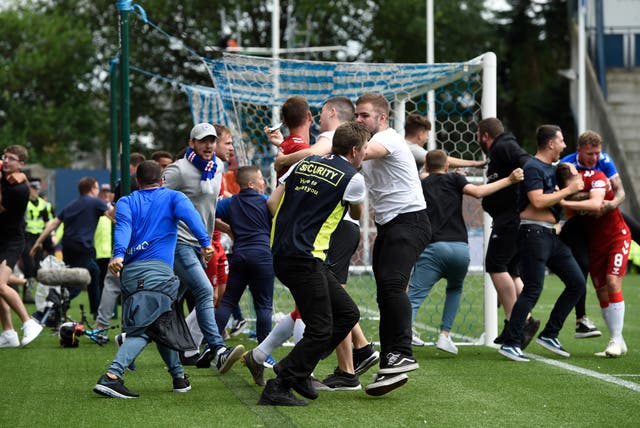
point(184, 177)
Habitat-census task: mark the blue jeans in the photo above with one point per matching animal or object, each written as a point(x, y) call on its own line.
point(540, 247)
point(189, 267)
point(256, 272)
point(440, 260)
point(133, 346)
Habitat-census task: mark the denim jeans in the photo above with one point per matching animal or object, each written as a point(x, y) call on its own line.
point(539, 248)
point(440, 260)
point(133, 346)
point(395, 251)
point(189, 267)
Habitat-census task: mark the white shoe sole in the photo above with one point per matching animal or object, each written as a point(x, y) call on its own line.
point(369, 362)
point(553, 349)
point(398, 370)
point(108, 392)
point(384, 387)
point(513, 357)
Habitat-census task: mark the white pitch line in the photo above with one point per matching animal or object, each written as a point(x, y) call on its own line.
point(605, 377)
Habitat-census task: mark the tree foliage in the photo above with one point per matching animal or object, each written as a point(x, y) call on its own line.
point(54, 70)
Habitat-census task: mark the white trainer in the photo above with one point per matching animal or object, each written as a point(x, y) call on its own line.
point(416, 341)
point(9, 339)
point(446, 344)
point(613, 349)
point(30, 330)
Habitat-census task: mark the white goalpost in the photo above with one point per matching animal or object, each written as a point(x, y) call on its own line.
point(248, 89)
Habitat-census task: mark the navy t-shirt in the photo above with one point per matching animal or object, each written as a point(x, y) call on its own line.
point(80, 219)
point(539, 175)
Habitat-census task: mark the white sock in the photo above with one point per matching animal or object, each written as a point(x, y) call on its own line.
point(196, 333)
point(298, 330)
point(280, 333)
point(616, 319)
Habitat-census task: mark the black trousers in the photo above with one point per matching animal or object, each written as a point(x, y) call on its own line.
point(327, 310)
point(396, 249)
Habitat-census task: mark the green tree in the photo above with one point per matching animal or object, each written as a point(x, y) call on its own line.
point(46, 101)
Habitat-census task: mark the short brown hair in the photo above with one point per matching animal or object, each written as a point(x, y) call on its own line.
point(492, 126)
point(244, 174)
point(590, 138)
point(221, 129)
point(436, 159)
point(19, 151)
point(544, 133)
point(344, 108)
point(294, 111)
point(86, 184)
point(161, 154)
point(136, 158)
point(379, 102)
point(149, 172)
point(563, 174)
point(415, 123)
point(349, 135)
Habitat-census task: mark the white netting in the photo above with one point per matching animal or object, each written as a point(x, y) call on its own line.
point(251, 91)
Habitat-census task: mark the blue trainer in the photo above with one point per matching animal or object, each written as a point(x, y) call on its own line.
point(513, 353)
point(553, 345)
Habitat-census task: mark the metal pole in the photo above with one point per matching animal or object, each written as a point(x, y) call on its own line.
point(582, 78)
point(602, 76)
point(431, 144)
point(489, 109)
point(124, 8)
point(113, 72)
point(275, 55)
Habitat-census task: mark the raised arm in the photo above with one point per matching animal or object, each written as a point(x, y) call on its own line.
point(516, 176)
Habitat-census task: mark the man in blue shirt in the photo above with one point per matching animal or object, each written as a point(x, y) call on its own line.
point(143, 255)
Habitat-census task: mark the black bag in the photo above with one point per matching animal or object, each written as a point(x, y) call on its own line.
point(171, 330)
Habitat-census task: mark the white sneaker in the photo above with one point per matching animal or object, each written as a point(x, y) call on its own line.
point(446, 344)
point(30, 330)
point(416, 341)
point(623, 345)
point(613, 349)
point(9, 339)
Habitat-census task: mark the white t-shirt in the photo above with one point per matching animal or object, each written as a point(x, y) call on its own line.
point(393, 181)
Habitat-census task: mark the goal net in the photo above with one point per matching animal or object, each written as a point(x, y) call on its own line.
point(248, 94)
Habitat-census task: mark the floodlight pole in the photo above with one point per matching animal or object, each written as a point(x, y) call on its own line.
point(275, 54)
point(124, 6)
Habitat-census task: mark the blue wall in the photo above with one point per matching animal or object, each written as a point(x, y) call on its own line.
point(66, 184)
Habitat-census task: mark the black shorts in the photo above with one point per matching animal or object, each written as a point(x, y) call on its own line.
point(502, 252)
point(11, 251)
point(344, 242)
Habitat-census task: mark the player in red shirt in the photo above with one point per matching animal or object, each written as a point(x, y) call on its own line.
point(609, 243)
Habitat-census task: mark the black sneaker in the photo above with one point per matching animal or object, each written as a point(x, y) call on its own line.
point(190, 361)
point(384, 384)
point(397, 363)
point(365, 358)
point(586, 329)
point(276, 394)
point(340, 381)
point(226, 357)
point(500, 339)
point(181, 384)
point(256, 369)
point(113, 388)
point(305, 388)
point(204, 360)
point(237, 327)
point(529, 331)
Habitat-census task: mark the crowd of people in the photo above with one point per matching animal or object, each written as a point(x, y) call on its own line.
point(166, 248)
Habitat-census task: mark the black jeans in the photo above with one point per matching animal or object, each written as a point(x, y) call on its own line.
point(396, 249)
point(76, 255)
point(327, 310)
point(540, 247)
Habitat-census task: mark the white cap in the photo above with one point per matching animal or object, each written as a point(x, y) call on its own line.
point(202, 130)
